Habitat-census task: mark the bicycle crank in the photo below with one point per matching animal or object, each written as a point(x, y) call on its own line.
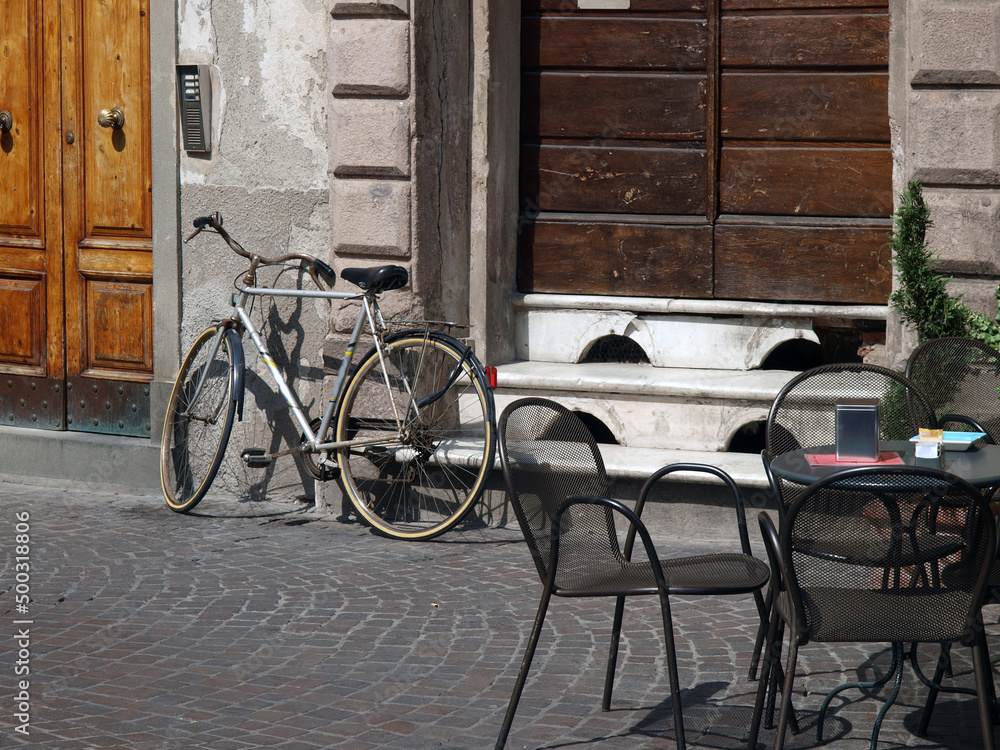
point(325, 469)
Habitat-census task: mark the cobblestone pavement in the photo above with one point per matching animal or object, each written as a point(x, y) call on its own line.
point(280, 628)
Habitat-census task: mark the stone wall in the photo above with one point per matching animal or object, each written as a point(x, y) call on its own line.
point(945, 78)
point(398, 130)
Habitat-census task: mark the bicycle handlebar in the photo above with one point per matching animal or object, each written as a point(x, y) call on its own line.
point(316, 268)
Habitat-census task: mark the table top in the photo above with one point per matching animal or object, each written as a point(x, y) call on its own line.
point(980, 466)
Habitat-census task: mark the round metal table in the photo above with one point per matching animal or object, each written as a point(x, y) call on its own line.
point(980, 466)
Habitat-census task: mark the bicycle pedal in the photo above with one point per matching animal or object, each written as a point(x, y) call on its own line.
point(256, 458)
point(328, 470)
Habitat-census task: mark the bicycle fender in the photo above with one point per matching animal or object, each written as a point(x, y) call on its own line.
point(239, 369)
point(467, 355)
point(466, 351)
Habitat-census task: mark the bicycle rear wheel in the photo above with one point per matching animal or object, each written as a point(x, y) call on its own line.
point(198, 423)
point(418, 477)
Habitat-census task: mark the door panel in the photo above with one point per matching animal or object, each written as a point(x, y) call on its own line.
point(108, 217)
point(640, 5)
point(22, 343)
point(32, 366)
point(805, 181)
point(618, 259)
point(731, 5)
point(803, 262)
point(735, 150)
point(804, 129)
point(21, 155)
point(619, 179)
point(616, 180)
point(613, 105)
point(616, 42)
point(75, 215)
point(116, 182)
point(794, 41)
point(805, 106)
point(121, 318)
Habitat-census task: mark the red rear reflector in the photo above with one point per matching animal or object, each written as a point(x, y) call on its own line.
point(491, 376)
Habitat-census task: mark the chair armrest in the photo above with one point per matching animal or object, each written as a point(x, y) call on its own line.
point(727, 480)
point(635, 526)
point(781, 579)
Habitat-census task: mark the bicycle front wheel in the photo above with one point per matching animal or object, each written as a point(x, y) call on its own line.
point(422, 435)
point(200, 417)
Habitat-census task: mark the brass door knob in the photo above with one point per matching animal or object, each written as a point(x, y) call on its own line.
point(6, 121)
point(111, 118)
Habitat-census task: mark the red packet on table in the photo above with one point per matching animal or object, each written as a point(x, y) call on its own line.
point(885, 458)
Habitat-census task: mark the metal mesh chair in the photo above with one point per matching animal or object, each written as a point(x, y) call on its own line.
point(904, 522)
point(961, 378)
point(558, 489)
point(802, 414)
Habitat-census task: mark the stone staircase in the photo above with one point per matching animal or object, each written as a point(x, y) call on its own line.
point(702, 385)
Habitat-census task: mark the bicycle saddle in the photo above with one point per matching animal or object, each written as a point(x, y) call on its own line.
point(377, 279)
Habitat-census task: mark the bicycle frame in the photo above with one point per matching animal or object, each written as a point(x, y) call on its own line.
point(368, 312)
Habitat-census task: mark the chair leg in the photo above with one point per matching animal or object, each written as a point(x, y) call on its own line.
point(764, 681)
point(991, 687)
point(616, 632)
point(522, 676)
point(984, 688)
point(763, 609)
point(675, 683)
point(897, 663)
point(932, 693)
point(786, 695)
point(777, 676)
point(896, 670)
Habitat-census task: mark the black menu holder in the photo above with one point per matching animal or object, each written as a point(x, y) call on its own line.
point(857, 429)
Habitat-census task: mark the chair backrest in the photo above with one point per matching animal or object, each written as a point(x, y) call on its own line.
point(960, 376)
point(548, 455)
point(802, 414)
point(863, 552)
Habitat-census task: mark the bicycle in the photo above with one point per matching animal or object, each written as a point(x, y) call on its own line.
point(412, 423)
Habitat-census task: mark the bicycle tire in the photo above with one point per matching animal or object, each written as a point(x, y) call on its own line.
point(195, 435)
point(422, 481)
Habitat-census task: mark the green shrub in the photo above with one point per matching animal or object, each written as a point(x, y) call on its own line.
point(922, 298)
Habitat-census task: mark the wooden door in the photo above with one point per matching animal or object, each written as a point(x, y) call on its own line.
point(805, 177)
point(735, 149)
point(75, 221)
point(615, 173)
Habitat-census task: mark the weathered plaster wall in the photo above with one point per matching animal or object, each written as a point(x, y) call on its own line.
point(946, 91)
point(341, 129)
point(266, 174)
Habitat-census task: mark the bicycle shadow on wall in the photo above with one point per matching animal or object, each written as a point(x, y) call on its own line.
point(285, 485)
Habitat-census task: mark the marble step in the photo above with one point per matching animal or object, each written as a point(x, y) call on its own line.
point(637, 464)
point(661, 408)
point(707, 334)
